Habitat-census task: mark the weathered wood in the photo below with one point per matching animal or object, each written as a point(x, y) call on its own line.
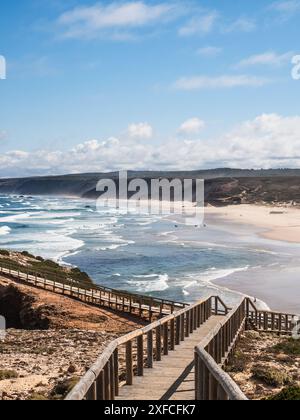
point(212, 352)
point(100, 387)
point(140, 356)
point(107, 388)
point(158, 343)
point(129, 363)
point(150, 349)
point(116, 371)
point(166, 339)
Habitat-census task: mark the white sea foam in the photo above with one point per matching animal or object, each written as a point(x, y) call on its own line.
point(208, 276)
point(16, 217)
point(5, 230)
point(158, 284)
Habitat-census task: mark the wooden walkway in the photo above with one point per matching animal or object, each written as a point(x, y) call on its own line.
point(172, 378)
point(142, 306)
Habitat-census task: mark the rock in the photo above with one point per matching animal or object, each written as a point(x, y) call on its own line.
point(72, 369)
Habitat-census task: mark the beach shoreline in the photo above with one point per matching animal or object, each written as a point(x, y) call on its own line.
point(278, 223)
point(277, 226)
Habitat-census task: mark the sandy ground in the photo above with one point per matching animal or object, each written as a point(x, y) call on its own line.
point(265, 364)
point(279, 288)
point(279, 223)
point(41, 359)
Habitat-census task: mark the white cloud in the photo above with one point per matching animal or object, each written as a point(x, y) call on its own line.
point(140, 131)
point(114, 20)
point(199, 25)
point(267, 59)
point(219, 82)
point(242, 24)
point(270, 140)
point(192, 126)
point(287, 6)
point(209, 51)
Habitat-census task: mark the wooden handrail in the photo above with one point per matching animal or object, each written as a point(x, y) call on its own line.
point(99, 295)
point(269, 321)
point(220, 385)
point(211, 382)
point(169, 332)
point(103, 380)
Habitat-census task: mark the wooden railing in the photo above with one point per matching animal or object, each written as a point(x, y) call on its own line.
point(143, 306)
point(269, 321)
point(211, 355)
point(128, 356)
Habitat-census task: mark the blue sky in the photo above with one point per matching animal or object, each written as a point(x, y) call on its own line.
point(148, 84)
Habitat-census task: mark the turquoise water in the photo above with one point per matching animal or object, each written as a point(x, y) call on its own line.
point(141, 253)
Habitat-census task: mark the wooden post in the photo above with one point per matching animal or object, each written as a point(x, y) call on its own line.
point(150, 349)
point(221, 394)
point(182, 330)
point(213, 388)
point(140, 356)
point(129, 363)
point(106, 382)
point(172, 337)
point(100, 387)
point(116, 372)
point(187, 326)
point(92, 393)
point(158, 344)
point(178, 332)
point(112, 378)
point(205, 381)
point(166, 339)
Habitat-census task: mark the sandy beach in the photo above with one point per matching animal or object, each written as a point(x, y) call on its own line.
point(277, 223)
point(278, 286)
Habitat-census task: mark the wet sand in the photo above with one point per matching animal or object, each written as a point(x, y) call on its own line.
point(278, 223)
point(278, 286)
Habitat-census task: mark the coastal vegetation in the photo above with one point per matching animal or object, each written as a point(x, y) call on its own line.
point(32, 265)
point(266, 366)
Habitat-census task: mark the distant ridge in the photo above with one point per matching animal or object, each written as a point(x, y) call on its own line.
point(222, 186)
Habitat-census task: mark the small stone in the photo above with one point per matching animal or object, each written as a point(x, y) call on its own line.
point(72, 369)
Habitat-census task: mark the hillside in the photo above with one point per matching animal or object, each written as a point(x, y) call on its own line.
point(51, 340)
point(222, 186)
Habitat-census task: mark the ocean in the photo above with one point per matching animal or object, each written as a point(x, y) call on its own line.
point(141, 253)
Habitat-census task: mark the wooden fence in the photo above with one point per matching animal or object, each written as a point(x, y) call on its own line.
point(213, 353)
point(127, 357)
point(211, 382)
point(143, 306)
point(269, 321)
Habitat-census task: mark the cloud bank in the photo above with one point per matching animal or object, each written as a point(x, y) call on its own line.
point(267, 141)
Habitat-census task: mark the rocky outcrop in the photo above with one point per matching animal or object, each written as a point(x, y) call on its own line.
point(19, 311)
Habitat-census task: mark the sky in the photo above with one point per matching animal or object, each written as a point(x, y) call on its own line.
point(110, 85)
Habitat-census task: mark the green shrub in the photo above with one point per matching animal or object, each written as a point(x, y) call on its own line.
point(4, 252)
point(289, 346)
point(37, 397)
point(287, 394)
point(27, 254)
point(8, 374)
point(271, 376)
point(63, 387)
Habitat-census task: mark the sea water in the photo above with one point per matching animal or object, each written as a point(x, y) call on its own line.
point(141, 253)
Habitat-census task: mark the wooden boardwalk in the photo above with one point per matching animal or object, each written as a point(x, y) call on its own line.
point(142, 306)
point(172, 378)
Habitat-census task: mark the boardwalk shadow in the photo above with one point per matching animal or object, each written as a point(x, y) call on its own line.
point(176, 385)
